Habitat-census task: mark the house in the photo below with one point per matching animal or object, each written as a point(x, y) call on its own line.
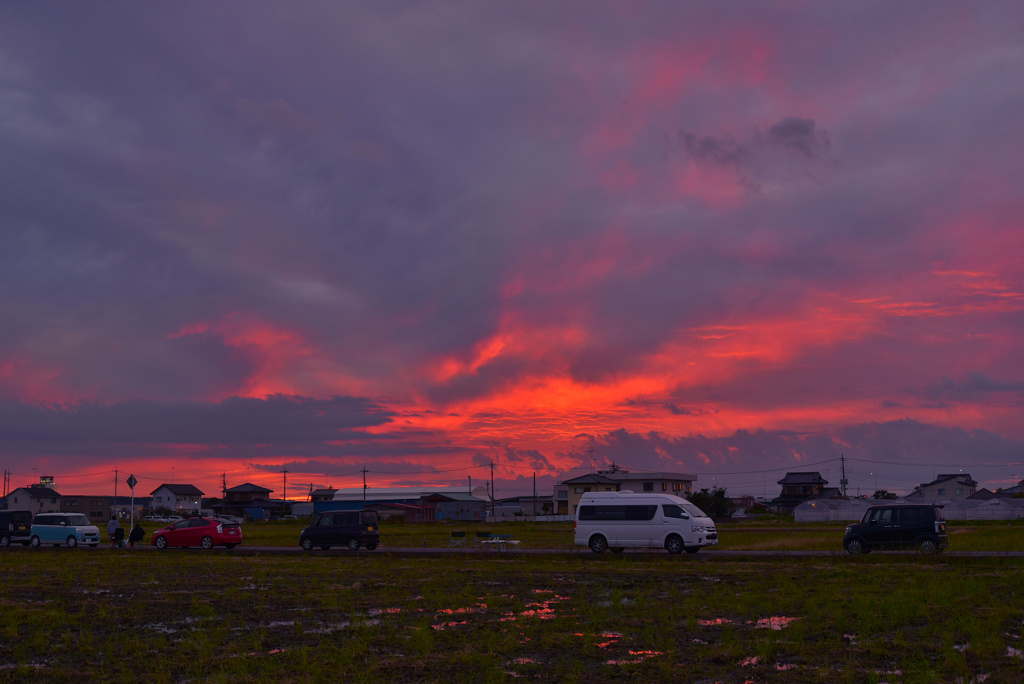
point(178, 498)
point(945, 487)
point(34, 499)
point(453, 506)
point(578, 486)
point(244, 493)
point(96, 508)
point(524, 506)
point(326, 494)
point(677, 484)
point(560, 498)
point(798, 487)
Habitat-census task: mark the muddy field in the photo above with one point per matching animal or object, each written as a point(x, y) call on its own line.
point(197, 616)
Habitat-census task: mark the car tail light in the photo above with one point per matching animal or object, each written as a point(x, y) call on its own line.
point(220, 529)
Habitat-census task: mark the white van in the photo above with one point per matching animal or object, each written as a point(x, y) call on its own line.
point(615, 520)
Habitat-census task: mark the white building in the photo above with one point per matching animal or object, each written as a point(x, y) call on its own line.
point(180, 498)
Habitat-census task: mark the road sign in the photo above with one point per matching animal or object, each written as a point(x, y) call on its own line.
point(132, 481)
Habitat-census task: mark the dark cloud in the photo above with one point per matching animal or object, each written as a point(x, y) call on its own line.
point(800, 135)
point(283, 421)
point(976, 386)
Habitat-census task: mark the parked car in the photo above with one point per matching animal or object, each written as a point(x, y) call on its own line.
point(15, 527)
point(156, 518)
point(342, 528)
point(895, 526)
point(174, 518)
point(63, 528)
point(198, 531)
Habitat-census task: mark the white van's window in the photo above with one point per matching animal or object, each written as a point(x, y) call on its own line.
point(620, 512)
point(672, 511)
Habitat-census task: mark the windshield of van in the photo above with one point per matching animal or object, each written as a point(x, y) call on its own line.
point(78, 520)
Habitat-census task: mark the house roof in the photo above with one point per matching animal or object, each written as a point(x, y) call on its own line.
point(799, 478)
point(453, 496)
point(591, 478)
point(179, 489)
point(966, 478)
point(983, 494)
point(39, 492)
point(622, 475)
point(248, 487)
point(827, 493)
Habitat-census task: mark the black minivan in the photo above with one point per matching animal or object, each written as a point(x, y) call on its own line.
point(15, 526)
point(898, 526)
point(342, 528)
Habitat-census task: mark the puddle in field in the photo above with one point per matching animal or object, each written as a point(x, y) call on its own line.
point(775, 623)
point(634, 658)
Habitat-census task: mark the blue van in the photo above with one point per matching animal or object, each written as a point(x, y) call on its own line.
point(64, 528)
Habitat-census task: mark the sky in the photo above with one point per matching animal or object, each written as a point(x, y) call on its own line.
point(418, 239)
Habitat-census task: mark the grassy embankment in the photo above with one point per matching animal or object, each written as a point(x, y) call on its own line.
point(83, 615)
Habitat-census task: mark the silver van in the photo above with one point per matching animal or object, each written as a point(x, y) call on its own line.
point(616, 520)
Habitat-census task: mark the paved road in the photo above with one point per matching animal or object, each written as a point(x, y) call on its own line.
point(704, 554)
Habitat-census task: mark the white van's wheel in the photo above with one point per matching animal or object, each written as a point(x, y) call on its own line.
point(674, 544)
point(598, 544)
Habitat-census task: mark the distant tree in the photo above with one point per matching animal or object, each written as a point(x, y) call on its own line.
point(884, 494)
point(713, 501)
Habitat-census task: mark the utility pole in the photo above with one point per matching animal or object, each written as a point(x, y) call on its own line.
point(224, 487)
point(364, 486)
point(535, 493)
point(492, 488)
point(284, 484)
point(843, 482)
point(115, 486)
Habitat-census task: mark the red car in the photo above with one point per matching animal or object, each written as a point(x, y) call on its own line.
point(199, 531)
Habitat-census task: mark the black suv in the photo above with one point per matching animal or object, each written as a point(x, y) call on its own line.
point(898, 526)
point(15, 526)
point(342, 528)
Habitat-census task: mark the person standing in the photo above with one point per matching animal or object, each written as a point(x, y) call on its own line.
point(111, 527)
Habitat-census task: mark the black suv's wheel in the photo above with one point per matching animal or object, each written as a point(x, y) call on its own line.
point(371, 546)
point(353, 544)
point(5, 541)
point(307, 544)
point(674, 544)
point(598, 544)
point(928, 547)
point(854, 547)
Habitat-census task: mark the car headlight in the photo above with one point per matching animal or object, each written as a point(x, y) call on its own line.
point(698, 528)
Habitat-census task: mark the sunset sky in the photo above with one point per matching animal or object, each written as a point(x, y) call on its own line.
point(727, 239)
